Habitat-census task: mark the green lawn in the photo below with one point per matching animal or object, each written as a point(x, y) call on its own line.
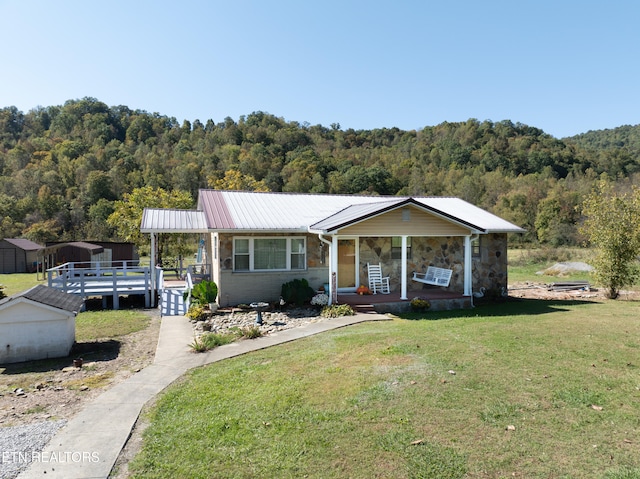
point(18, 282)
point(417, 399)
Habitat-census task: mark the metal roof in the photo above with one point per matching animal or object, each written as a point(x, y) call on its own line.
point(24, 244)
point(155, 220)
point(245, 210)
point(291, 212)
point(90, 247)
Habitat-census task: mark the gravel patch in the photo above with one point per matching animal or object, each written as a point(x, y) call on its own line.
point(22, 445)
point(272, 321)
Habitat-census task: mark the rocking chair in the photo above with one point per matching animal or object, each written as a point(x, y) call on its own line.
point(376, 281)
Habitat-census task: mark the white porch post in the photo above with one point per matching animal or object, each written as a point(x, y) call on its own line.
point(403, 269)
point(468, 283)
point(333, 268)
point(152, 268)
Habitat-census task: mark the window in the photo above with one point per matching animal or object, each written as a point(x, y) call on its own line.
point(241, 255)
point(269, 254)
point(475, 247)
point(396, 247)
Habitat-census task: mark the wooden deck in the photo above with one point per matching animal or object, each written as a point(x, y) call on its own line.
point(99, 279)
point(440, 299)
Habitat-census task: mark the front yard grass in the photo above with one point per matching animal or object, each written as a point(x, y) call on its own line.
point(532, 389)
point(93, 325)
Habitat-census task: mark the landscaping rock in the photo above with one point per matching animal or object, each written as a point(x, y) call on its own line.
point(227, 320)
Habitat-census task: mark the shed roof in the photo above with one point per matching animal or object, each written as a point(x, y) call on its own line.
point(49, 297)
point(90, 247)
point(24, 244)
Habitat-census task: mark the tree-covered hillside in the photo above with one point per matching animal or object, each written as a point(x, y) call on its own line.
point(63, 167)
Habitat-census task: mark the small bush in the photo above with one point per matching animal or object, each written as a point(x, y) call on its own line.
point(420, 305)
point(320, 300)
point(197, 312)
point(297, 292)
point(198, 345)
point(204, 293)
point(210, 341)
point(336, 311)
point(251, 332)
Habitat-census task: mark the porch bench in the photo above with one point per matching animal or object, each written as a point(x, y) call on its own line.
point(434, 276)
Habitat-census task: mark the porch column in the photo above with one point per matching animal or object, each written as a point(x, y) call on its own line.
point(468, 283)
point(152, 268)
point(403, 269)
point(333, 268)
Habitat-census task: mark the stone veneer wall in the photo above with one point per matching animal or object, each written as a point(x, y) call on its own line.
point(443, 252)
point(489, 270)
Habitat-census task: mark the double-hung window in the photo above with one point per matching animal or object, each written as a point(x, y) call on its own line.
point(276, 253)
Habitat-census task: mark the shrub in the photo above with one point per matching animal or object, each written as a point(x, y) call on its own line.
point(211, 340)
point(297, 292)
point(204, 292)
point(197, 312)
point(419, 304)
point(251, 332)
point(336, 311)
point(320, 300)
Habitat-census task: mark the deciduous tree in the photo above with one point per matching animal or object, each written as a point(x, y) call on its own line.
point(612, 226)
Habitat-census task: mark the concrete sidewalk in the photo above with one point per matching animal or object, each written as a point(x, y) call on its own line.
point(89, 444)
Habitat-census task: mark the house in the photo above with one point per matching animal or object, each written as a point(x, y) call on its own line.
point(255, 242)
point(18, 256)
point(37, 324)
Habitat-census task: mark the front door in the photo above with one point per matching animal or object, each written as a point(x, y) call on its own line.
point(347, 258)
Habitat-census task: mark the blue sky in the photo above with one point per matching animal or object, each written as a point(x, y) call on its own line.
point(565, 66)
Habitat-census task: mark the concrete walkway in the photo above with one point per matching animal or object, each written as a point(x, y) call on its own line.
point(89, 444)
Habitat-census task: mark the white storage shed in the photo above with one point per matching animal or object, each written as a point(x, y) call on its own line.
point(39, 323)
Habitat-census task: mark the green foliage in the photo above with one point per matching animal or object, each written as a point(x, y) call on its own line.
point(127, 213)
point(2, 293)
point(297, 292)
point(419, 304)
point(210, 341)
point(612, 226)
point(251, 332)
point(197, 312)
point(57, 163)
point(204, 292)
point(337, 311)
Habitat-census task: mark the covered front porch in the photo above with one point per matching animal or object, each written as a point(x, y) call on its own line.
point(440, 300)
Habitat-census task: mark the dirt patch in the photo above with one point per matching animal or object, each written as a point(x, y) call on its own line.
point(546, 291)
point(55, 389)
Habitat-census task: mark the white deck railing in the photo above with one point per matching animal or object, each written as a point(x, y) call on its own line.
point(102, 279)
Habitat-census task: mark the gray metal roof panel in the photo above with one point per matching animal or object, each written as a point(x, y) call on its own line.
point(24, 244)
point(470, 214)
point(246, 210)
point(173, 221)
point(253, 211)
point(354, 213)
